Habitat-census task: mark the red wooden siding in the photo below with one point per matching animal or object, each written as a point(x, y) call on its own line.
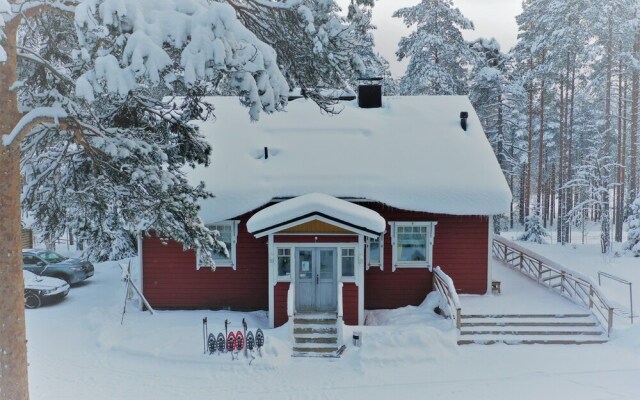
point(171, 280)
point(289, 238)
point(350, 303)
point(280, 303)
point(460, 249)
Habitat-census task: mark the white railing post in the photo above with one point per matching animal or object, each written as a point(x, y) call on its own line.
point(291, 298)
point(444, 285)
point(340, 322)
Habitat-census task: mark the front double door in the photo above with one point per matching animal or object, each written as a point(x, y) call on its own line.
point(316, 272)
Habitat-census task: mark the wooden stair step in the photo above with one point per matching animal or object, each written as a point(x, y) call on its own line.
point(531, 323)
point(315, 330)
point(467, 316)
point(532, 333)
point(315, 321)
point(531, 341)
point(319, 340)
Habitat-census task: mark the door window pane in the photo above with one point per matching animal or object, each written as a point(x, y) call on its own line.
point(326, 264)
point(305, 266)
point(348, 262)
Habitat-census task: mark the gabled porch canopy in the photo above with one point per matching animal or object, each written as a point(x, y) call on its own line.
point(316, 206)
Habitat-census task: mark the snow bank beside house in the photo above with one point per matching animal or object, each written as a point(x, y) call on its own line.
point(410, 154)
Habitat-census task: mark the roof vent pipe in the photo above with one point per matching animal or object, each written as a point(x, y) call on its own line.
point(463, 120)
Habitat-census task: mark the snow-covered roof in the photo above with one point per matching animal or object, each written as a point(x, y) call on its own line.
point(316, 206)
point(411, 154)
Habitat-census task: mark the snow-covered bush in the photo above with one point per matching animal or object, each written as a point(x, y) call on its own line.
point(633, 239)
point(533, 229)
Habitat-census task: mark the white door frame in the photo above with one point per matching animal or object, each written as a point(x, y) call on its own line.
point(358, 279)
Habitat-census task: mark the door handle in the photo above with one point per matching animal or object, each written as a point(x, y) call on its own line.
point(317, 279)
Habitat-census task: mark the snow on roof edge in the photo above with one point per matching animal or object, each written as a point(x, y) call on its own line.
point(316, 203)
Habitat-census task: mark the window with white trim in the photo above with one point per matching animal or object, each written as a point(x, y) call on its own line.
point(375, 252)
point(225, 235)
point(412, 244)
point(284, 262)
point(348, 259)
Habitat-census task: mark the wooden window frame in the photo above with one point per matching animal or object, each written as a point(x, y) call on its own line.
point(231, 262)
point(430, 237)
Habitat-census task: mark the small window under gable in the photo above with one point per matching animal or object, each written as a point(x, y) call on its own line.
point(412, 244)
point(226, 235)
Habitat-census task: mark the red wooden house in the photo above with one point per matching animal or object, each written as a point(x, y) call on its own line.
point(337, 213)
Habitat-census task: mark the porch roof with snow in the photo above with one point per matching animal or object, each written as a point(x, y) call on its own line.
point(410, 154)
point(316, 206)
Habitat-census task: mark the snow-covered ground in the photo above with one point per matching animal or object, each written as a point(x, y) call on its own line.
point(79, 350)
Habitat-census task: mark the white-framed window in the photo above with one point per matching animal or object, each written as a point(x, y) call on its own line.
point(412, 244)
point(226, 236)
point(284, 263)
point(375, 252)
point(348, 262)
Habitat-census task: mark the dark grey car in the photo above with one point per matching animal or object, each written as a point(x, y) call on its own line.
point(50, 263)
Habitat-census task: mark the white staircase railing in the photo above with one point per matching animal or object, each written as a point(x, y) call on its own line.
point(291, 308)
point(581, 289)
point(340, 311)
point(444, 285)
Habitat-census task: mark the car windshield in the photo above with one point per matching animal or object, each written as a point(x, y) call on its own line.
point(51, 257)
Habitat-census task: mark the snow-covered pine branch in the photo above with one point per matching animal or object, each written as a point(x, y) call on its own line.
point(114, 68)
point(317, 48)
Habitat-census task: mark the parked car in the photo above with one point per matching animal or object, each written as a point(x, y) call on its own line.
point(50, 263)
point(40, 289)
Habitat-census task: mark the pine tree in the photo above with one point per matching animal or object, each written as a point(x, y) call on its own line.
point(633, 229)
point(437, 51)
point(534, 231)
point(84, 89)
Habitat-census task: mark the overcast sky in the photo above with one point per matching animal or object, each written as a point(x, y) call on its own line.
point(492, 18)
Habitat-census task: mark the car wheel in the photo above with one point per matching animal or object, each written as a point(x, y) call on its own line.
point(32, 300)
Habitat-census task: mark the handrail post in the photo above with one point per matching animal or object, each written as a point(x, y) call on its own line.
point(610, 325)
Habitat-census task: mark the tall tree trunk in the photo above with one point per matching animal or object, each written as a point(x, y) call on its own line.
point(619, 190)
point(570, 192)
point(633, 138)
point(561, 190)
point(523, 193)
point(529, 150)
point(605, 237)
point(13, 345)
point(541, 140)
